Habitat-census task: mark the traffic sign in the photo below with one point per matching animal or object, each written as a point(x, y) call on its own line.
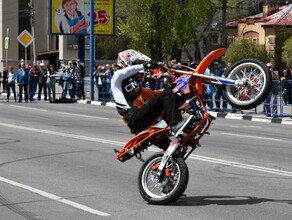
point(25, 38)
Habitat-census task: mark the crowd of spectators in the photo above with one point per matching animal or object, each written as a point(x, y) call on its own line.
point(158, 79)
point(40, 81)
point(213, 95)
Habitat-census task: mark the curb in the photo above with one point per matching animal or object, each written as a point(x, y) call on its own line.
point(257, 118)
point(110, 104)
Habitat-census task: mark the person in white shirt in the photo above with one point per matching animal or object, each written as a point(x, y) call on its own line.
point(11, 83)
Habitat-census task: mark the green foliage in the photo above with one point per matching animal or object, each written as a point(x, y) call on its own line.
point(287, 52)
point(166, 21)
point(108, 47)
point(245, 48)
point(282, 34)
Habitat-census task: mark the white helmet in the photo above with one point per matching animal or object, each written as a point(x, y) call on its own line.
point(131, 57)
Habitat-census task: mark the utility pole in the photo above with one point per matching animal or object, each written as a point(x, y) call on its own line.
point(224, 7)
point(31, 18)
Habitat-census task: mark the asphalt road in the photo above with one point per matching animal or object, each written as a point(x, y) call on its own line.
point(57, 162)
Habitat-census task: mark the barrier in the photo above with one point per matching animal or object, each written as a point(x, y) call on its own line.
point(282, 104)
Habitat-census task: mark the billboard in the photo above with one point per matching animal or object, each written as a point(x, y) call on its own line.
point(72, 17)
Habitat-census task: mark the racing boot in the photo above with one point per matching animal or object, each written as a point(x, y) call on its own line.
point(183, 126)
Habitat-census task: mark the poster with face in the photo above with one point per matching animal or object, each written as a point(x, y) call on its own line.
point(73, 17)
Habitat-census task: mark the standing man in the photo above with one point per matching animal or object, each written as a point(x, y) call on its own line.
point(43, 81)
point(229, 65)
point(219, 90)
point(4, 79)
point(270, 104)
point(34, 75)
point(22, 80)
point(73, 69)
point(67, 83)
point(83, 73)
point(11, 83)
point(51, 83)
point(108, 77)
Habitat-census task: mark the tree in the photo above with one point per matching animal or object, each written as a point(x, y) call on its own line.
point(245, 48)
point(108, 47)
point(164, 27)
point(287, 52)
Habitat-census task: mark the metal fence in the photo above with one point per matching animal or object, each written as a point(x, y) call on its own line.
point(281, 106)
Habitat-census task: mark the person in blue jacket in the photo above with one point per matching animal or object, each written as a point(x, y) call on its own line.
point(67, 78)
point(22, 81)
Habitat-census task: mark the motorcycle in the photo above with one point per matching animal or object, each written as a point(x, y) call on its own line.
point(164, 176)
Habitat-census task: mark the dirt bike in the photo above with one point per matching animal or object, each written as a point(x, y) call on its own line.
point(164, 176)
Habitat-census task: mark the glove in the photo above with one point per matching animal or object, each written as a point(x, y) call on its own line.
point(150, 65)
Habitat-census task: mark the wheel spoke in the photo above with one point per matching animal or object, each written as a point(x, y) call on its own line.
point(160, 188)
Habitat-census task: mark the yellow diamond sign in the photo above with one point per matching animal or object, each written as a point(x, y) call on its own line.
point(25, 38)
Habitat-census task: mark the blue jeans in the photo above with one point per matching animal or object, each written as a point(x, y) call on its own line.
point(32, 88)
point(12, 86)
point(270, 105)
point(218, 96)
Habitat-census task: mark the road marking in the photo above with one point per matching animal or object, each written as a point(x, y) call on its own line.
point(67, 135)
point(54, 197)
point(82, 115)
point(242, 165)
point(250, 136)
point(104, 141)
point(64, 113)
point(36, 109)
point(197, 157)
point(235, 164)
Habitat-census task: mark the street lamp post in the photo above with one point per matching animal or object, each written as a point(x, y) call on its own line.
point(31, 17)
point(224, 7)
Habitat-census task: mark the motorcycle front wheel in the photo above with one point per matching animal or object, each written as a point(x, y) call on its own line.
point(256, 83)
point(167, 188)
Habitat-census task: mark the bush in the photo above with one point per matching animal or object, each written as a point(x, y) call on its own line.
point(287, 52)
point(243, 49)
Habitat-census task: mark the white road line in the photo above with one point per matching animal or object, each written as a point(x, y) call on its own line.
point(196, 157)
point(36, 109)
point(64, 113)
point(251, 136)
point(242, 165)
point(82, 115)
point(235, 164)
point(54, 197)
point(80, 137)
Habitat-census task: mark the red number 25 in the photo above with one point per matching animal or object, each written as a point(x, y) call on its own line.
point(100, 17)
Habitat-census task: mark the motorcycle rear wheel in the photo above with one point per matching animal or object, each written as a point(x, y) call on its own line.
point(257, 87)
point(168, 188)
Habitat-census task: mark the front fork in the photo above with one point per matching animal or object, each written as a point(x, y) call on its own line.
point(167, 154)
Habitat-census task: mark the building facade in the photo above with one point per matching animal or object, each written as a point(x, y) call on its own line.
point(16, 16)
point(263, 28)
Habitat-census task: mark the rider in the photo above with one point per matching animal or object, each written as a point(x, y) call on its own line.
point(140, 107)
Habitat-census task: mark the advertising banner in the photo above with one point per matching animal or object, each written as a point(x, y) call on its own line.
point(67, 17)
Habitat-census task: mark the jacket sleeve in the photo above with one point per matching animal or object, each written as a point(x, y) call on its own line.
point(124, 73)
